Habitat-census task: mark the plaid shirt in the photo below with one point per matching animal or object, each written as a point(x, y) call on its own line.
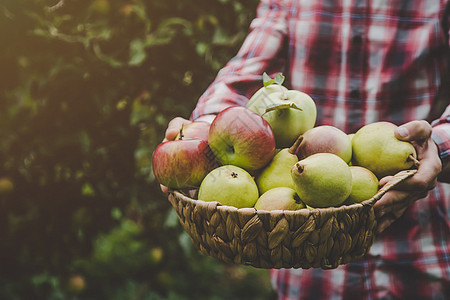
point(361, 62)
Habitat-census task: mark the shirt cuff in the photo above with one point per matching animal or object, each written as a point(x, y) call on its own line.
point(441, 136)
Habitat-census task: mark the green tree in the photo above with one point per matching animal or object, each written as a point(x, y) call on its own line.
point(86, 91)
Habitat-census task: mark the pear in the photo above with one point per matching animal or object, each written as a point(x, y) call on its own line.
point(260, 99)
point(278, 172)
point(289, 112)
point(364, 185)
point(376, 148)
point(322, 180)
point(279, 198)
point(229, 185)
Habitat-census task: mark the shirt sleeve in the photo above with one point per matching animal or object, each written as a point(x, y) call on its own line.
point(441, 136)
point(262, 51)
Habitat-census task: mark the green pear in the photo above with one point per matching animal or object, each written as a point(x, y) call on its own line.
point(322, 180)
point(229, 185)
point(364, 185)
point(278, 172)
point(260, 99)
point(376, 148)
point(279, 198)
point(289, 112)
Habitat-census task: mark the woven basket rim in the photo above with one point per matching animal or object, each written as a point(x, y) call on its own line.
point(318, 238)
point(397, 178)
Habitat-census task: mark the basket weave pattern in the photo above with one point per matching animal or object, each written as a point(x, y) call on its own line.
point(318, 238)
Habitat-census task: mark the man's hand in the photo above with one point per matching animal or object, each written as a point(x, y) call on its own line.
point(395, 202)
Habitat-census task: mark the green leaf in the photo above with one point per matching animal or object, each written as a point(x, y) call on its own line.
point(279, 78)
point(267, 80)
point(286, 105)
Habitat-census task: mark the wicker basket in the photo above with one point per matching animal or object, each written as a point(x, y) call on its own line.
point(318, 238)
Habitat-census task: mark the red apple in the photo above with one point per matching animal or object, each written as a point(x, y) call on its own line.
point(328, 139)
point(241, 137)
point(194, 130)
point(183, 164)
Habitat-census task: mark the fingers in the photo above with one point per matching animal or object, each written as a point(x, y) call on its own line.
point(418, 130)
point(393, 205)
point(174, 126)
point(429, 168)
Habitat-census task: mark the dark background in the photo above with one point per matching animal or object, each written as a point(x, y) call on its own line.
point(86, 91)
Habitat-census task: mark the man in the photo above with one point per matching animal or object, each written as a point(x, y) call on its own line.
point(361, 62)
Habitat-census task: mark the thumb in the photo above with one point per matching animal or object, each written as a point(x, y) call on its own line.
point(418, 130)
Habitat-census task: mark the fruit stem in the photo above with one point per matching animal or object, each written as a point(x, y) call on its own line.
point(181, 135)
point(416, 162)
point(299, 167)
point(293, 149)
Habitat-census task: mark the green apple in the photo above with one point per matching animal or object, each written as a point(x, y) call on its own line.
point(364, 185)
point(279, 198)
point(322, 180)
point(376, 148)
point(229, 185)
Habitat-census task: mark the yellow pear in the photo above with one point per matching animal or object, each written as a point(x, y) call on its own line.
point(364, 185)
point(376, 148)
point(278, 172)
point(322, 180)
point(282, 198)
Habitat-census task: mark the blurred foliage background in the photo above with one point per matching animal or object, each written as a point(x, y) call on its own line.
point(86, 91)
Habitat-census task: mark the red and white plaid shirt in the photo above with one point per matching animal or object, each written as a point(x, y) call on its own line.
point(361, 62)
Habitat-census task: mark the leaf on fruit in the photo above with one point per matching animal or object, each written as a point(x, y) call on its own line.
point(267, 80)
point(279, 79)
point(282, 106)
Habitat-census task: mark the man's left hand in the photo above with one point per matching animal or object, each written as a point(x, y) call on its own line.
point(395, 202)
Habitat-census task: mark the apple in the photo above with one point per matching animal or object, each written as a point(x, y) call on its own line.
point(229, 185)
point(180, 164)
point(241, 137)
point(325, 139)
point(194, 130)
